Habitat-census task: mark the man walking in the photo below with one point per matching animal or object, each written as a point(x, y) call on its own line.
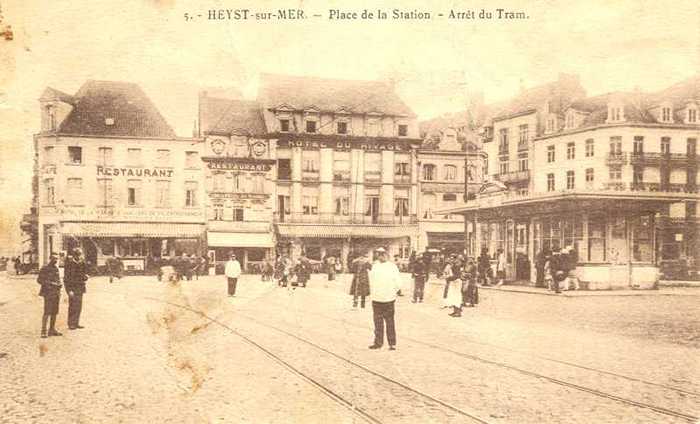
point(74, 278)
point(385, 282)
point(360, 280)
point(51, 292)
point(232, 271)
point(419, 272)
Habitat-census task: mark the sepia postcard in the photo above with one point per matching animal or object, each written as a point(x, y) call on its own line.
point(390, 211)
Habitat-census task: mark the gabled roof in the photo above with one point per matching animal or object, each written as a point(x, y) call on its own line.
point(560, 94)
point(330, 95)
point(53, 94)
point(132, 112)
point(226, 116)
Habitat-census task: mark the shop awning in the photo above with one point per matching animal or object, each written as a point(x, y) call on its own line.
point(345, 231)
point(131, 229)
point(220, 239)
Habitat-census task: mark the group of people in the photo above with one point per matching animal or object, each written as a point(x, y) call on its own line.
point(556, 269)
point(74, 281)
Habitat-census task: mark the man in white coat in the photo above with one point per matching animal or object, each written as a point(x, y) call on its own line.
point(232, 271)
point(385, 282)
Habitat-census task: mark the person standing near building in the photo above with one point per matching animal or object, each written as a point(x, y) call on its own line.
point(330, 267)
point(484, 267)
point(419, 272)
point(385, 282)
point(50, 281)
point(359, 288)
point(115, 268)
point(501, 267)
point(232, 271)
point(556, 270)
point(303, 271)
point(75, 276)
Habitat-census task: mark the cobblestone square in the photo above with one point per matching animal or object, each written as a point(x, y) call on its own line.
point(186, 352)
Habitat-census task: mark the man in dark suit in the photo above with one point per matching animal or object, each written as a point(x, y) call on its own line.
point(74, 278)
point(50, 281)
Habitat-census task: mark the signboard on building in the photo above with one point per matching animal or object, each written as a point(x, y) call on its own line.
point(238, 164)
point(130, 214)
point(369, 145)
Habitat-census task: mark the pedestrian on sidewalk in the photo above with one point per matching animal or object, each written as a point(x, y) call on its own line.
point(359, 288)
point(232, 271)
point(50, 281)
point(115, 268)
point(330, 267)
point(470, 291)
point(303, 271)
point(484, 267)
point(501, 267)
point(454, 298)
point(385, 282)
point(556, 268)
point(75, 277)
point(419, 272)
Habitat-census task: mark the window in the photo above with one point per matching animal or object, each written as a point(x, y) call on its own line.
point(162, 193)
point(191, 159)
point(310, 205)
point(450, 172)
point(284, 125)
point(51, 117)
point(637, 175)
point(596, 238)
point(310, 160)
point(403, 130)
point(342, 206)
point(310, 165)
point(615, 113)
point(310, 126)
point(523, 136)
point(429, 172)
point(133, 157)
point(190, 193)
point(665, 145)
point(105, 156)
point(523, 164)
point(75, 191)
point(259, 183)
point(570, 180)
point(49, 192)
point(691, 147)
point(550, 182)
point(238, 214)
point(503, 141)
point(75, 155)
point(616, 145)
point(133, 192)
point(550, 154)
point(106, 197)
point(569, 120)
point(163, 157)
point(372, 128)
point(692, 116)
point(590, 148)
point(589, 175)
point(449, 197)
point(49, 158)
point(666, 114)
point(571, 150)
point(401, 169)
point(341, 166)
point(615, 173)
point(219, 180)
point(400, 206)
point(638, 146)
point(218, 212)
point(342, 127)
point(284, 169)
point(503, 167)
point(641, 230)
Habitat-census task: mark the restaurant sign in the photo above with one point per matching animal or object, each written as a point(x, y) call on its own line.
point(346, 145)
point(238, 164)
point(110, 171)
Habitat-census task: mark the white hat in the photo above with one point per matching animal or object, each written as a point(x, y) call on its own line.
point(380, 250)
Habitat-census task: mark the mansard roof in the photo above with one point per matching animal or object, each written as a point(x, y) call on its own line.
point(230, 116)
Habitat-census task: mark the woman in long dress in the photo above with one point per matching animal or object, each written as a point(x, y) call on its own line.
point(360, 280)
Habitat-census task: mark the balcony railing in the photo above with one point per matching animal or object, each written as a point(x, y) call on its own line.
point(511, 177)
point(619, 158)
point(402, 179)
point(656, 158)
point(641, 186)
point(373, 176)
point(356, 219)
point(341, 176)
point(310, 176)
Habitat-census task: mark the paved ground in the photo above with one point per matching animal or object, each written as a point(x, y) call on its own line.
point(516, 358)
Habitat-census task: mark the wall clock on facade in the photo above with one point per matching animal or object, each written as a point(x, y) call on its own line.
point(218, 146)
point(258, 148)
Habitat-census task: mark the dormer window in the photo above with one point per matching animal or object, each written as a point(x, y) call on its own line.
point(692, 116)
point(550, 125)
point(311, 126)
point(342, 127)
point(284, 125)
point(665, 114)
point(570, 120)
point(615, 114)
point(403, 130)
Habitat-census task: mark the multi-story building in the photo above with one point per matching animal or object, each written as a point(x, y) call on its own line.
point(112, 177)
point(346, 156)
point(608, 175)
point(240, 180)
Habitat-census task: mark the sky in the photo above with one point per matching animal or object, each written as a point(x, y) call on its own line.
point(437, 64)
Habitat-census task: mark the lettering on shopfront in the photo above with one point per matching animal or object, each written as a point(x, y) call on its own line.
point(343, 145)
point(232, 166)
point(142, 214)
point(133, 172)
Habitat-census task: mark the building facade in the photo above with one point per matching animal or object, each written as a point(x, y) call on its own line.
point(613, 176)
point(113, 179)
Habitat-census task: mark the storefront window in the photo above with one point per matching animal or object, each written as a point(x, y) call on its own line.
point(641, 228)
point(618, 240)
point(596, 238)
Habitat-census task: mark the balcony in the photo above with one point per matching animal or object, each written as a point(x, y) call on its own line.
point(618, 158)
point(347, 219)
point(373, 176)
point(514, 177)
point(523, 146)
point(641, 186)
point(657, 158)
point(311, 176)
point(341, 176)
point(402, 179)
point(668, 188)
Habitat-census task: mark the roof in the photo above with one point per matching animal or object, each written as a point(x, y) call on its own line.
point(132, 112)
point(331, 95)
point(53, 94)
point(227, 116)
point(559, 94)
point(680, 93)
